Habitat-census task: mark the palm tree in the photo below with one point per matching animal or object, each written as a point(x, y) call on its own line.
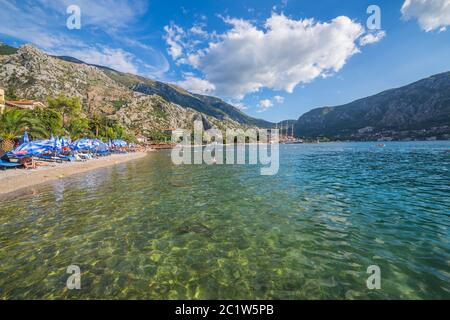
point(95, 124)
point(78, 128)
point(14, 123)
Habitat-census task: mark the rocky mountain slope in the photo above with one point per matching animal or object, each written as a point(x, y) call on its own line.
point(140, 104)
point(208, 105)
point(421, 109)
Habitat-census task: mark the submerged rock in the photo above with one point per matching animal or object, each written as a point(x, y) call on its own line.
point(195, 228)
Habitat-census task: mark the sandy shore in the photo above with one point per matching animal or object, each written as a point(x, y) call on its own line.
point(18, 179)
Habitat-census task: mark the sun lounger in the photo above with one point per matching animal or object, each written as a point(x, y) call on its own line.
point(49, 158)
point(85, 156)
point(8, 165)
point(57, 159)
point(103, 153)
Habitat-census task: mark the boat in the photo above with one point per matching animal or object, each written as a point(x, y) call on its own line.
point(294, 142)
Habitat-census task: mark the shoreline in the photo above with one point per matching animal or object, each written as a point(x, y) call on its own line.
point(12, 181)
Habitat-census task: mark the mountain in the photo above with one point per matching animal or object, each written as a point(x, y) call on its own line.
point(211, 106)
point(6, 50)
point(418, 110)
point(141, 105)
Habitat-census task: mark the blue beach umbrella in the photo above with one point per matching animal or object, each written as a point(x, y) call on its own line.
point(83, 144)
point(95, 144)
point(57, 145)
point(100, 146)
point(34, 148)
point(64, 142)
point(26, 138)
point(119, 143)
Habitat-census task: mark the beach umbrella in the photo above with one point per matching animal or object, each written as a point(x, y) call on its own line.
point(119, 143)
point(34, 148)
point(100, 146)
point(64, 142)
point(51, 137)
point(83, 144)
point(57, 145)
point(26, 138)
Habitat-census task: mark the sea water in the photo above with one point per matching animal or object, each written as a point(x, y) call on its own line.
point(150, 229)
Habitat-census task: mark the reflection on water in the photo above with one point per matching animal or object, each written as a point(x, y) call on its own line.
point(152, 230)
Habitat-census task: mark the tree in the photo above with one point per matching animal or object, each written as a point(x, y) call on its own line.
point(107, 128)
point(95, 124)
point(68, 107)
point(78, 128)
point(50, 120)
point(14, 123)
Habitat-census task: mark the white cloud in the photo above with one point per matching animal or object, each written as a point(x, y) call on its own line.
point(155, 64)
point(42, 23)
point(105, 14)
point(196, 85)
point(198, 30)
point(372, 37)
point(31, 23)
point(45, 20)
point(117, 59)
point(182, 45)
point(278, 99)
point(264, 105)
point(240, 105)
point(280, 56)
point(174, 36)
point(430, 14)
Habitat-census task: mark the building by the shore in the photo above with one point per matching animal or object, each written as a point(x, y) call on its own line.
point(24, 104)
point(20, 104)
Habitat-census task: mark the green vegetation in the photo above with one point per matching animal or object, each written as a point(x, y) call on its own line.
point(10, 94)
point(14, 123)
point(50, 120)
point(119, 104)
point(68, 107)
point(159, 112)
point(62, 117)
point(6, 50)
point(158, 136)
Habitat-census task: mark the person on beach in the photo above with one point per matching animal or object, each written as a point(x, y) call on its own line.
point(27, 163)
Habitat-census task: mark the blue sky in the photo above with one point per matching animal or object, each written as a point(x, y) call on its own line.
point(274, 59)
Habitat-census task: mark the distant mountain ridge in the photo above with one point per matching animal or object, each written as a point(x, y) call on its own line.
point(6, 50)
point(421, 109)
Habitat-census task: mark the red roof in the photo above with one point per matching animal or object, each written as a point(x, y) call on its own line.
point(21, 102)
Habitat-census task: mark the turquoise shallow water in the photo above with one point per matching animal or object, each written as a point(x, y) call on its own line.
point(152, 230)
